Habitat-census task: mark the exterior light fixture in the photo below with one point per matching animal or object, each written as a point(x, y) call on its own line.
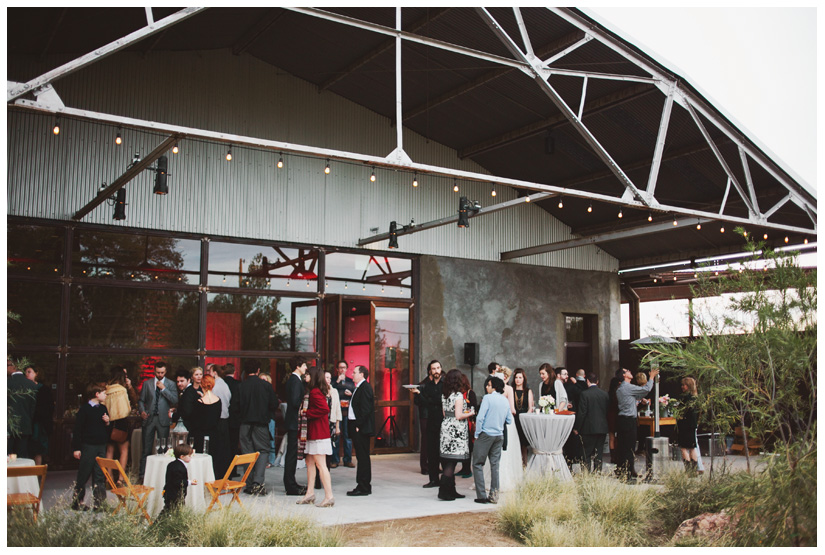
point(455, 186)
point(372, 176)
point(229, 154)
point(393, 235)
point(280, 161)
point(56, 128)
point(698, 226)
point(493, 191)
point(326, 168)
point(415, 180)
point(175, 149)
point(120, 205)
point(118, 139)
point(160, 176)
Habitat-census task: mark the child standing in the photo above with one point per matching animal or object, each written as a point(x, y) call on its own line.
point(88, 442)
point(177, 478)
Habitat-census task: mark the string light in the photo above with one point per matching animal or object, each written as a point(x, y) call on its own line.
point(280, 161)
point(698, 226)
point(364, 287)
point(765, 237)
point(527, 199)
point(620, 213)
point(493, 191)
point(455, 186)
point(346, 285)
point(675, 222)
point(786, 239)
point(649, 217)
point(372, 176)
point(229, 154)
point(415, 180)
point(56, 128)
point(805, 241)
point(590, 208)
point(561, 202)
point(326, 168)
point(175, 149)
point(382, 288)
point(722, 229)
point(745, 234)
point(287, 282)
point(118, 139)
point(224, 279)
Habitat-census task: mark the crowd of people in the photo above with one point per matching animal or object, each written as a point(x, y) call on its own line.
point(329, 421)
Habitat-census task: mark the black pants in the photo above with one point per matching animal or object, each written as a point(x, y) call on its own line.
point(422, 458)
point(291, 461)
point(89, 468)
point(434, 446)
point(593, 445)
point(625, 442)
point(363, 471)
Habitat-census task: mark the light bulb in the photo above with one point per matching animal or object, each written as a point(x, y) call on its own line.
point(175, 149)
point(620, 213)
point(744, 233)
point(326, 168)
point(561, 202)
point(722, 229)
point(229, 155)
point(415, 180)
point(590, 208)
point(675, 222)
point(805, 241)
point(372, 176)
point(527, 199)
point(765, 237)
point(56, 128)
point(455, 186)
point(281, 162)
point(698, 226)
point(786, 238)
point(493, 192)
point(118, 140)
point(650, 217)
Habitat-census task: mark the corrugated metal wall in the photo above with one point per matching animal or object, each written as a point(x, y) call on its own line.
point(53, 176)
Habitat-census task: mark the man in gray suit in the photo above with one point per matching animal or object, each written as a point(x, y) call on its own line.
point(157, 396)
point(591, 422)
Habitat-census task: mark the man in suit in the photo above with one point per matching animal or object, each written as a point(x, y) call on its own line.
point(21, 402)
point(294, 399)
point(581, 379)
point(157, 396)
point(429, 397)
point(227, 372)
point(258, 406)
point(362, 426)
point(591, 422)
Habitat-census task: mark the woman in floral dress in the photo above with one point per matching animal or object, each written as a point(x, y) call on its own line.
point(455, 437)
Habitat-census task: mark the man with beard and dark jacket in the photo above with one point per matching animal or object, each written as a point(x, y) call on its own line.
point(227, 372)
point(429, 397)
point(258, 406)
point(591, 423)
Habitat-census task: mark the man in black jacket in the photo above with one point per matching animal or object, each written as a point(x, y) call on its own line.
point(345, 386)
point(361, 416)
point(429, 397)
point(591, 422)
point(227, 372)
point(258, 406)
point(294, 398)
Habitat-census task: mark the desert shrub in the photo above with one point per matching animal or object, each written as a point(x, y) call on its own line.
point(684, 497)
point(62, 527)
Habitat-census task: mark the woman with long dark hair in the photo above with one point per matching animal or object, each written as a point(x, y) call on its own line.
point(318, 444)
point(686, 425)
point(547, 374)
point(523, 401)
point(454, 445)
point(120, 398)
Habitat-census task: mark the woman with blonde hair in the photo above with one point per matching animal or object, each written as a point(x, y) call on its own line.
point(120, 398)
point(686, 425)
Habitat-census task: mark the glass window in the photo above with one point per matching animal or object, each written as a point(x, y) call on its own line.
point(262, 267)
point(369, 275)
point(35, 249)
point(131, 257)
point(117, 317)
point(260, 323)
point(38, 306)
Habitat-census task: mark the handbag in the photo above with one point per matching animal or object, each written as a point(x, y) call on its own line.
point(302, 434)
point(118, 435)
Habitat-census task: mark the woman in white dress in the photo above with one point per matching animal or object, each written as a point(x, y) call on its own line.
point(510, 468)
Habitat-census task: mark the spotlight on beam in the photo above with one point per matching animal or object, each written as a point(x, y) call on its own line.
point(465, 206)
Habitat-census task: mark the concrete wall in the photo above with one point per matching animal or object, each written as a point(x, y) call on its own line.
point(514, 312)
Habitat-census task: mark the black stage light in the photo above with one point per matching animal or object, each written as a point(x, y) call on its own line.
point(393, 235)
point(465, 206)
point(120, 205)
point(160, 176)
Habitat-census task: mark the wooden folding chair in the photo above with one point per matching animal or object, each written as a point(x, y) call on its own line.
point(139, 494)
point(225, 486)
point(27, 499)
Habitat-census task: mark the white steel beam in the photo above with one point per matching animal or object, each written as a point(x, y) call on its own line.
point(454, 218)
point(559, 55)
point(660, 143)
point(102, 52)
point(749, 180)
point(725, 198)
point(601, 238)
point(777, 206)
point(525, 37)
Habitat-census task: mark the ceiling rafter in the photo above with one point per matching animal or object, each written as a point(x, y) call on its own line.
point(253, 33)
point(382, 48)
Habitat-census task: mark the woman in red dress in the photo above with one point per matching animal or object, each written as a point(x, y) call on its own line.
point(318, 438)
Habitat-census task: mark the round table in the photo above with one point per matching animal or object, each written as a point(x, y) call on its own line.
point(23, 484)
point(546, 434)
point(200, 469)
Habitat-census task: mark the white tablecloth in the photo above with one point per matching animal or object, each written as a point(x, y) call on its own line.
point(200, 469)
point(546, 434)
point(23, 484)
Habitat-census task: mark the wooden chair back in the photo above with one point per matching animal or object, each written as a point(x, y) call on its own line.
point(136, 492)
point(225, 486)
point(249, 459)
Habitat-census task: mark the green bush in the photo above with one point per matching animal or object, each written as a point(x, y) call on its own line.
point(62, 527)
point(684, 497)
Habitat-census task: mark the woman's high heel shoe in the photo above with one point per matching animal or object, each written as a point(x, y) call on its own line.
point(306, 501)
point(329, 503)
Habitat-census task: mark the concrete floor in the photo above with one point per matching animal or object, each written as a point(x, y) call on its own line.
point(396, 485)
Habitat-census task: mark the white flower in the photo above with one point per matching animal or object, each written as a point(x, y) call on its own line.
point(547, 401)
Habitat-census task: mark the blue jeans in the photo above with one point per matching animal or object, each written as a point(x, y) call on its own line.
point(347, 443)
point(273, 451)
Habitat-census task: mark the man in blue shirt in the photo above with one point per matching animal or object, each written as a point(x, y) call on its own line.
point(493, 415)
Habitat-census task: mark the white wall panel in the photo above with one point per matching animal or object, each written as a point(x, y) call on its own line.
point(52, 177)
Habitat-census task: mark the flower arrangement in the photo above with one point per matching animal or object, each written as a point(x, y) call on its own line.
point(664, 400)
point(547, 402)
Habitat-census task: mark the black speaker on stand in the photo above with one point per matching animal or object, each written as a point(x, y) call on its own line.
point(471, 356)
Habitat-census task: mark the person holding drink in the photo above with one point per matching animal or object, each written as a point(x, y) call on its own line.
point(455, 437)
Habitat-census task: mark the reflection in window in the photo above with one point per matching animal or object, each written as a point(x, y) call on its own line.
point(38, 308)
point(262, 267)
point(368, 275)
point(35, 250)
point(132, 318)
point(130, 257)
point(250, 322)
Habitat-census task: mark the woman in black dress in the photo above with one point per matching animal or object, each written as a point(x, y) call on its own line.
point(524, 403)
point(206, 413)
point(548, 380)
point(686, 425)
